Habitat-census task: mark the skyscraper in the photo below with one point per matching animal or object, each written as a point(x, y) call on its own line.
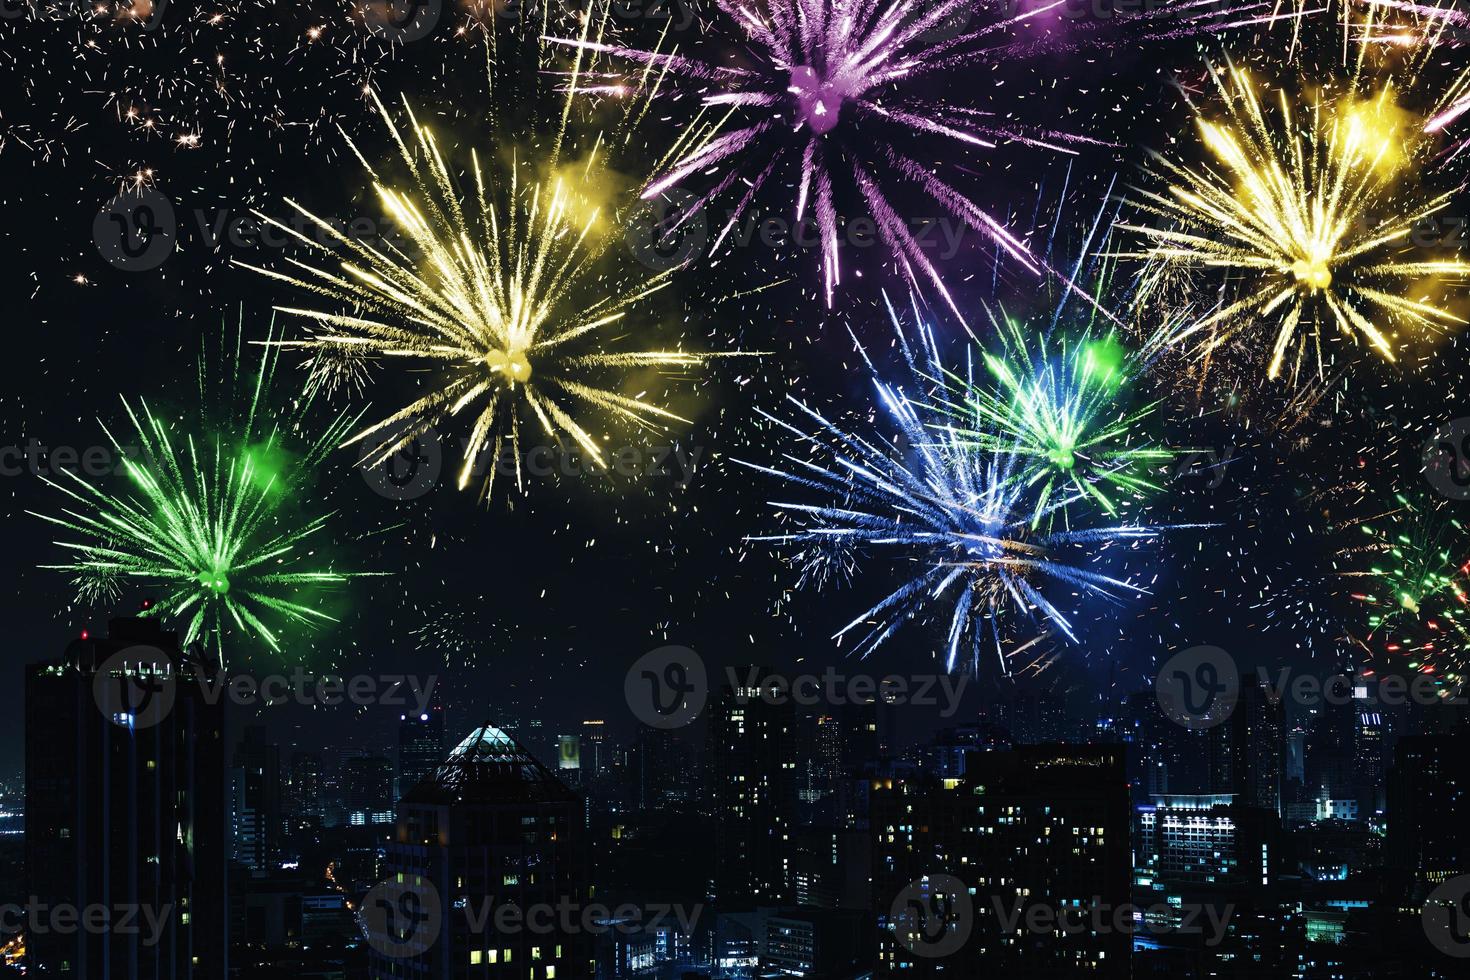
point(752, 756)
point(255, 800)
point(594, 748)
point(1038, 826)
point(1251, 763)
point(125, 807)
point(421, 746)
point(491, 828)
point(304, 788)
point(1428, 799)
point(369, 789)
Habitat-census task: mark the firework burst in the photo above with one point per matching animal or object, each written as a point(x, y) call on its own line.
point(1059, 404)
point(205, 519)
point(1410, 569)
point(958, 516)
point(499, 295)
point(1291, 212)
point(830, 89)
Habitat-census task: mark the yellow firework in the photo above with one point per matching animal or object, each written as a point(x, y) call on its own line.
point(503, 295)
point(1307, 215)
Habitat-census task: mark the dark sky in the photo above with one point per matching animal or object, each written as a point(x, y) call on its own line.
point(555, 593)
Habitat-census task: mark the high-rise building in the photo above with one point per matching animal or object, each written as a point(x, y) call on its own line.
point(1330, 762)
point(1205, 840)
point(1038, 826)
point(595, 759)
point(421, 746)
point(304, 787)
point(1208, 858)
point(753, 782)
point(1370, 746)
point(125, 807)
point(491, 828)
point(369, 789)
point(255, 801)
point(1249, 757)
point(1428, 799)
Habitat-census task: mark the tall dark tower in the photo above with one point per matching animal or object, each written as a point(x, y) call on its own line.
point(752, 753)
point(1428, 797)
point(1249, 760)
point(490, 828)
point(255, 798)
point(125, 806)
point(421, 746)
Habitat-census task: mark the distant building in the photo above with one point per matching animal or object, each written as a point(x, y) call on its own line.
point(304, 788)
point(255, 801)
point(492, 828)
point(1428, 801)
point(1254, 753)
point(817, 943)
point(1038, 826)
point(125, 806)
point(595, 757)
point(421, 747)
point(753, 784)
point(369, 789)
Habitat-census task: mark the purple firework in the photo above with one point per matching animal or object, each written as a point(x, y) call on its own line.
point(833, 86)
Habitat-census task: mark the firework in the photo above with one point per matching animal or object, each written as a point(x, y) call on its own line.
point(1410, 569)
point(829, 89)
point(834, 97)
point(500, 296)
point(1291, 213)
point(957, 516)
point(207, 519)
point(1058, 403)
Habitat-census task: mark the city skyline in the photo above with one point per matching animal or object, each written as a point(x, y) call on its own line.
point(734, 489)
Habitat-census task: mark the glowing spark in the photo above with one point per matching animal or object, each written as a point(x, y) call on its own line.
point(1288, 213)
point(833, 89)
point(203, 520)
point(958, 517)
point(1060, 405)
point(499, 294)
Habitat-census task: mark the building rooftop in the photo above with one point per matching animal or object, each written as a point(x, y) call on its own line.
point(489, 767)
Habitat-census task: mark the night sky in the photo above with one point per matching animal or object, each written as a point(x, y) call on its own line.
point(537, 602)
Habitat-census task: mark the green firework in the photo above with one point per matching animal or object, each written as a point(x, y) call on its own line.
point(207, 518)
point(1060, 404)
point(1412, 572)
